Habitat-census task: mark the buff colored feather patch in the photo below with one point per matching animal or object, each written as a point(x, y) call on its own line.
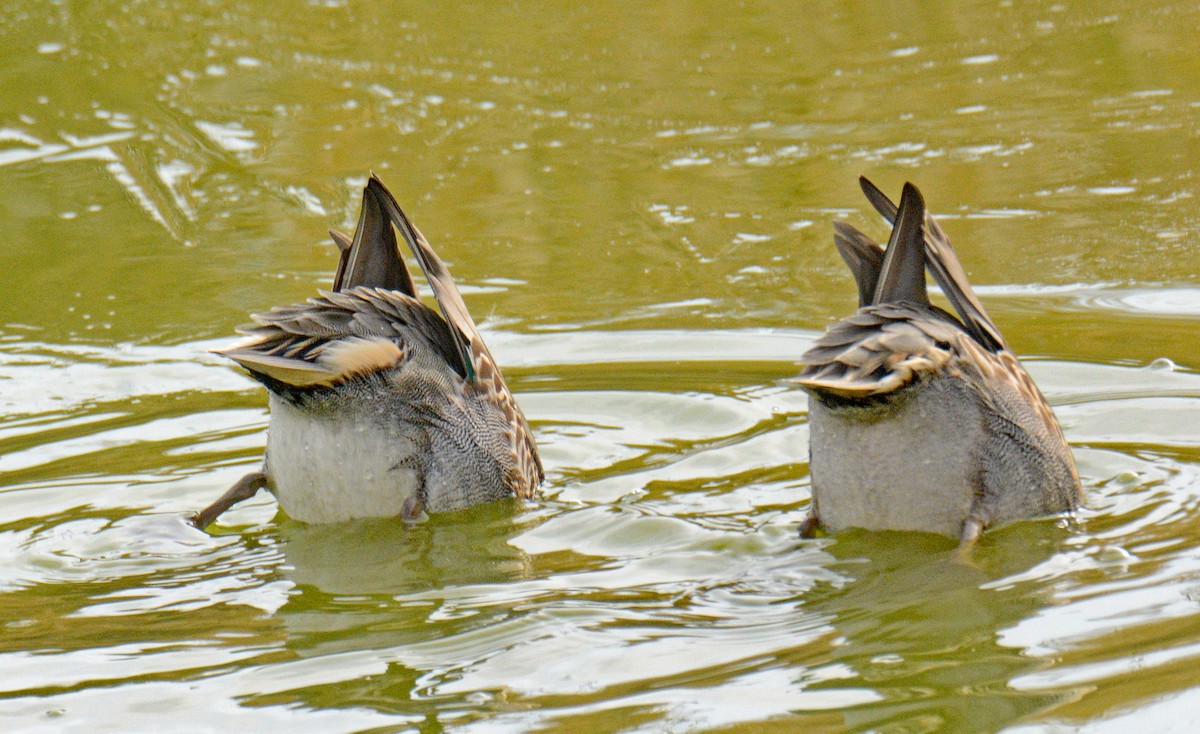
point(359, 356)
point(337, 361)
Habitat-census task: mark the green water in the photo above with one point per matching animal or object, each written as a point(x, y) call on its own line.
point(636, 200)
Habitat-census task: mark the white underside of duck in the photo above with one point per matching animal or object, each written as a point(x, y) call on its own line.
point(912, 467)
point(329, 468)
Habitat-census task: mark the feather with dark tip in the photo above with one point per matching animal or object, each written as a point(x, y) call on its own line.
point(292, 344)
point(344, 242)
point(445, 292)
point(839, 360)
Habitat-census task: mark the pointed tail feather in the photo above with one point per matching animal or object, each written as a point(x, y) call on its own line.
point(946, 270)
point(902, 276)
point(467, 339)
point(344, 243)
point(477, 361)
point(863, 256)
point(373, 257)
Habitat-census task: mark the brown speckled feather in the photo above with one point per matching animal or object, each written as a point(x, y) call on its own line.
point(1003, 366)
point(879, 351)
point(291, 344)
point(987, 351)
point(476, 357)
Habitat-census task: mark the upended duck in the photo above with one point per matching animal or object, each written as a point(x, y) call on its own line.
point(380, 406)
point(920, 420)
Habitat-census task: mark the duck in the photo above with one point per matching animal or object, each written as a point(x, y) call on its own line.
point(381, 406)
point(920, 419)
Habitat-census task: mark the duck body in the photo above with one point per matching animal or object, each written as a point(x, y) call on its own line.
point(380, 405)
point(920, 420)
point(377, 443)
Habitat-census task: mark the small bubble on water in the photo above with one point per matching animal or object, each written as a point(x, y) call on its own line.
point(1113, 554)
point(1162, 363)
point(1127, 479)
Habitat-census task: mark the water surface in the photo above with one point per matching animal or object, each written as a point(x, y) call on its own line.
point(636, 200)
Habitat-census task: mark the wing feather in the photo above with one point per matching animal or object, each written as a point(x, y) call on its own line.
point(880, 349)
point(339, 335)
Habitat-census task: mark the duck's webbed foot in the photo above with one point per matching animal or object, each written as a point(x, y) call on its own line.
point(971, 530)
point(243, 489)
point(413, 510)
point(811, 524)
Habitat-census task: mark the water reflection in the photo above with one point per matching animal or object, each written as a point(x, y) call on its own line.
point(388, 557)
point(920, 625)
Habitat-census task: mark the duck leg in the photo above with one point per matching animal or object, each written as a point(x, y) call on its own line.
point(243, 489)
point(812, 523)
point(413, 510)
point(971, 530)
